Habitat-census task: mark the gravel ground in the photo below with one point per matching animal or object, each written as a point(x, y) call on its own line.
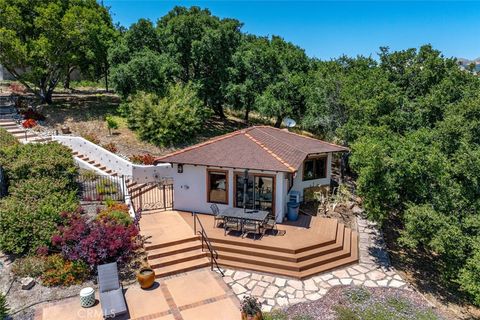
point(342, 296)
point(21, 301)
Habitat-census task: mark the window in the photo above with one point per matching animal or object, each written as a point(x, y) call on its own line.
point(217, 186)
point(315, 168)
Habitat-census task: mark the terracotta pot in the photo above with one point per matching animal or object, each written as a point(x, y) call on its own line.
point(258, 316)
point(146, 278)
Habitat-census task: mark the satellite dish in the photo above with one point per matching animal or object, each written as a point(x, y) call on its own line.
point(289, 123)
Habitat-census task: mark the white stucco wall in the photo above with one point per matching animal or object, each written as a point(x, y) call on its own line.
point(139, 173)
point(299, 184)
point(190, 189)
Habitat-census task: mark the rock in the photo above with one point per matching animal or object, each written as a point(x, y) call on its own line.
point(280, 282)
point(356, 210)
point(270, 292)
point(340, 274)
point(295, 284)
point(310, 285)
point(240, 275)
point(238, 289)
point(27, 283)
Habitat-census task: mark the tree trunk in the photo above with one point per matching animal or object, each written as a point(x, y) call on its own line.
point(278, 122)
point(247, 112)
point(219, 112)
point(66, 82)
point(106, 80)
point(45, 96)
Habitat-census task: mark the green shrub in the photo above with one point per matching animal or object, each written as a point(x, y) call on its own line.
point(29, 216)
point(6, 139)
point(29, 266)
point(357, 294)
point(41, 184)
point(112, 124)
point(170, 120)
point(27, 161)
point(106, 187)
point(275, 315)
point(61, 272)
point(3, 307)
point(118, 212)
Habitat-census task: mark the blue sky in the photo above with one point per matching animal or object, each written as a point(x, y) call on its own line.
point(329, 29)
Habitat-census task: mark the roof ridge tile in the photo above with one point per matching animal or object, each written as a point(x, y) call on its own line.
point(273, 154)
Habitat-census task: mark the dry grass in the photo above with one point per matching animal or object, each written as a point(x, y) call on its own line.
point(84, 114)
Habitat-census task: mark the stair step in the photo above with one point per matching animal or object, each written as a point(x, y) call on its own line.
point(9, 126)
point(21, 135)
point(176, 258)
point(150, 247)
point(174, 249)
point(15, 129)
point(272, 253)
point(289, 265)
point(332, 263)
point(181, 267)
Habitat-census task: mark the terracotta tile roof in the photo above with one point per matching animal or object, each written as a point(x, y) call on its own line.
point(259, 147)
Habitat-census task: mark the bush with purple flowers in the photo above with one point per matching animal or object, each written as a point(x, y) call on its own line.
point(95, 242)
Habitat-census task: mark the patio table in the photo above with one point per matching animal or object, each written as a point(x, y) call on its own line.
point(248, 214)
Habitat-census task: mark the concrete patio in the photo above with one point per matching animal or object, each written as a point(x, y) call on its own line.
point(196, 295)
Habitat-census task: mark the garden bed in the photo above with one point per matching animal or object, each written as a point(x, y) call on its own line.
point(360, 303)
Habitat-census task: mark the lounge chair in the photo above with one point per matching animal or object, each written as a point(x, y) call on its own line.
point(111, 291)
point(251, 227)
point(216, 215)
point(231, 224)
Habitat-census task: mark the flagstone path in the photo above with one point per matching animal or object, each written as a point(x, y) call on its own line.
point(373, 270)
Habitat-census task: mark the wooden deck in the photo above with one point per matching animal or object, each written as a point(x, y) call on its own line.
point(299, 250)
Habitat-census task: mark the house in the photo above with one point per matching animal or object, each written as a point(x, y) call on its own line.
point(275, 162)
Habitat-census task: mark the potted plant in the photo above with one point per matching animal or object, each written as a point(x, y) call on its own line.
point(146, 277)
point(250, 308)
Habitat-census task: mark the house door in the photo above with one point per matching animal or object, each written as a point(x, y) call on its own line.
point(260, 193)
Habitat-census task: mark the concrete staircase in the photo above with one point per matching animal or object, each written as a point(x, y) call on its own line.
point(8, 116)
point(134, 189)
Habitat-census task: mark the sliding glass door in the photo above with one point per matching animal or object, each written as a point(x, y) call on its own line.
point(259, 193)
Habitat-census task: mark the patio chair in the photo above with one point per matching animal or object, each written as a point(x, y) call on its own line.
point(269, 224)
point(251, 227)
point(110, 291)
point(232, 224)
point(216, 215)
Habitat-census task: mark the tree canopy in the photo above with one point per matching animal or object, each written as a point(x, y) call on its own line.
point(40, 41)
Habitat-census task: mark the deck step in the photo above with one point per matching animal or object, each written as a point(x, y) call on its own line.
point(174, 249)
point(288, 265)
point(244, 249)
point(150, 247)
point(181, 267)
point(177, 258)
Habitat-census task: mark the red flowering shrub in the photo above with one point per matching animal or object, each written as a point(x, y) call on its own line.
point(29, 123)
point(146, 159)
point(100, 241)
point(112, 147)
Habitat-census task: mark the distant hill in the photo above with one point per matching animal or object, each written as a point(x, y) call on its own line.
point(465, 63)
